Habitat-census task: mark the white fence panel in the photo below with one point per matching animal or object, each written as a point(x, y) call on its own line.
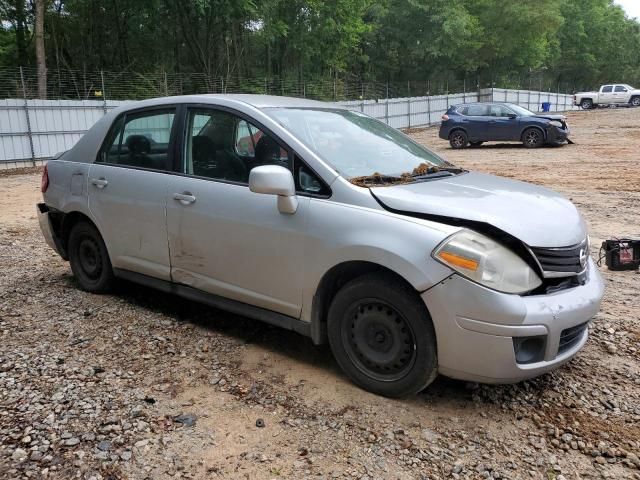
point(38, 129)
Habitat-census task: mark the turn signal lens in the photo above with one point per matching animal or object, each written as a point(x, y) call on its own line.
point(459, 261)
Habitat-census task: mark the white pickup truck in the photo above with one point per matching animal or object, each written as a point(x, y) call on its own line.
point(611, 94)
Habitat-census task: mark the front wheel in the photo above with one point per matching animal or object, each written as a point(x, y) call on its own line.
point(89, 258)
point(532, 138)
point(635, 101)
point(458, 139)
point(381, 335)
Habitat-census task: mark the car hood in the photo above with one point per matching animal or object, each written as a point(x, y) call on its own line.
point(552, 117)
point(537, 216)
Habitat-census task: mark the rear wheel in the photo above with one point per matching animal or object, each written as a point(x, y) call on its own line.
point(635, 101)
point(89, 258)
point(381, 335)
point(532, 138)
point(458, 139)
point(586, 104)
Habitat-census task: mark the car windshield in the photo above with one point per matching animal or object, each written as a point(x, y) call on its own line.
point(357, 145)
point(520, 111)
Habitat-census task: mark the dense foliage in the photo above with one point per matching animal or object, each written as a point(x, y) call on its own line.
point(579, 43)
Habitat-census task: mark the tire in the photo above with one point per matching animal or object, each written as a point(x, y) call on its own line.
point(532, 138)
point(586, 104)
point(89, 258)
point(458, 139)
point(635, 102)
point(475, 144)
point(381, 335)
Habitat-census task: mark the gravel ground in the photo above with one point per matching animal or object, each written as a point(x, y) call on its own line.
point(140, 385)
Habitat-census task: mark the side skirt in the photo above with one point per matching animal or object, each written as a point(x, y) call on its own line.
point(216, 301)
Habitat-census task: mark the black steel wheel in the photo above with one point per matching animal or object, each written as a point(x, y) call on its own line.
point(458, 139)
point(378, 340)
point(533, 138)
point(381, 334)
point(89, 258)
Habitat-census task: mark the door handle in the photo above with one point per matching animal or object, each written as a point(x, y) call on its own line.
point(99, 182)
point(185, 198)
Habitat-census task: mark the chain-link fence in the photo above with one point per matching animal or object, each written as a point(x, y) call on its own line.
point(130, 85)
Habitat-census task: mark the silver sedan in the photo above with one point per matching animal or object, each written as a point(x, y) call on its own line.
point(330, 223)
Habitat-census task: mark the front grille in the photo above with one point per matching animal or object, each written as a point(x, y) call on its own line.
point(563, 261)
point(571, 337)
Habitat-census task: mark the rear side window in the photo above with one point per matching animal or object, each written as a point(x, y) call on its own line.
point(140, 140)
point(462, 110)
point(478, 110)
point(607, 89)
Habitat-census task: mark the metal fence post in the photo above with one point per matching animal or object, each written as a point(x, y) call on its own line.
point(166, 85)
point(428, 108)
point(409, 112)
point(386, 111)
point(26, 112)
point(104, 94)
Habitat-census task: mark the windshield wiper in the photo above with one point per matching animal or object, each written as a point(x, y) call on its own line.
point(376, 179)
point(438, 172)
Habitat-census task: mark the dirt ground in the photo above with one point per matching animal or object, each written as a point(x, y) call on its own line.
point(140, 385)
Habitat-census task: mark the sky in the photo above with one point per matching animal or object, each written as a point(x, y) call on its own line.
point(632, 7)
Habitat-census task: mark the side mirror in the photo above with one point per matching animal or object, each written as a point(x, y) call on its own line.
point(275, 180)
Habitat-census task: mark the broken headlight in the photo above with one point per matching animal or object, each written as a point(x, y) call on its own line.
point(485, 261)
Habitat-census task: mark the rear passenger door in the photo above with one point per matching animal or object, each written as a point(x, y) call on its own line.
point(476, 122)
point(128, 189)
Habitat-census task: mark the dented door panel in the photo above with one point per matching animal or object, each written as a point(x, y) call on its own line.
point(235, 243)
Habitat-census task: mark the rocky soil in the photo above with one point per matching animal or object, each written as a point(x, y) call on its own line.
point(139, 385)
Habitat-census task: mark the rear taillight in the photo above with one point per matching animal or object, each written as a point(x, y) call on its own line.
point(445, 117)
point(44, 182)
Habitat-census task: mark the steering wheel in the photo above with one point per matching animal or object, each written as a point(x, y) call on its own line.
point(231, 167)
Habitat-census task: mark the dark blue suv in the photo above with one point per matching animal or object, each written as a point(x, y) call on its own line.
point(475, 123)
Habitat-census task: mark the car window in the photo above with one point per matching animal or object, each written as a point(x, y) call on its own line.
point(139, 140)
point(500, 111)
point(620, 88)
point(478, 110)
point(462, 110)
point(307, 181)
point(223, 146)
point(607, 89)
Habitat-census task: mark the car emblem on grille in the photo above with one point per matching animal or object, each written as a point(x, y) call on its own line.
point(583, 257)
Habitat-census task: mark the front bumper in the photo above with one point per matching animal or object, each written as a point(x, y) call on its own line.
point(557, 136)
point(475, 327)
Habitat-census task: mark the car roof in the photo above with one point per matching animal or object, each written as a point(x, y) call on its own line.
point(256, 101)
point(482, 103)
